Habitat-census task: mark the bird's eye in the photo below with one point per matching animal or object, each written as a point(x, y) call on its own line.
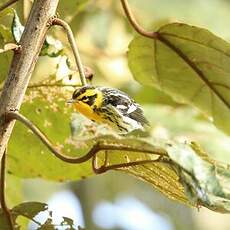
point(84, 98)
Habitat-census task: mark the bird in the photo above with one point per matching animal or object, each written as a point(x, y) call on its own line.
point(109, 106)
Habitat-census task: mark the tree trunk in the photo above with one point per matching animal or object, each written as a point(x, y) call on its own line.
point(23, 64)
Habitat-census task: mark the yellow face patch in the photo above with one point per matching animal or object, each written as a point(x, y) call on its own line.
point(86, 109)
point(92, 92)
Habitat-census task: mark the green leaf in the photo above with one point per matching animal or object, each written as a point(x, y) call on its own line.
point(5, 57)
point(67, 221)
point(51, 54)
point(13, 190)
point(24, 145)
point(186, 124)
point(160, 175)
point(5, 12)
point(48, 110)
point(57, 71)
point(6, 17)
point(47, 225)
point(141, 61)
point(30, 210)
point(52, 47)
point(206, 182)
point(190, 64)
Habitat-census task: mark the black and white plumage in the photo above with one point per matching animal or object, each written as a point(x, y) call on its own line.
point(125, 109)
point(111, 106)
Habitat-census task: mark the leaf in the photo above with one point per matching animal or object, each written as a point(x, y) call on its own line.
point(68, 222)
point(74, 135)
point(206, 182)
point(51, 55)
point(13, 190)
point(5, 57)
point(5, 43)
point(52, 47)
point(8, 46)
point(187, 175)
point(31, 210)
point(17, 28)
point(185, 124)
point(190, 64)
point(160, 175)
point(48, 110)
point(57, 71)
point(47, 225)
point(5, 12)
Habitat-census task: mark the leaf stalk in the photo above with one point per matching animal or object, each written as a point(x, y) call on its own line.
point(73, 44)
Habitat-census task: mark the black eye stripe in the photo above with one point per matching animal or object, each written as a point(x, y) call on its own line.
point(90, 99)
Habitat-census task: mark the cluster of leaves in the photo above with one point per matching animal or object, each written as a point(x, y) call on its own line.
point(28, 211)
point(188, 63)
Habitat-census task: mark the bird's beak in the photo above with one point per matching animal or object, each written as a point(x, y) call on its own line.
point(70, 101)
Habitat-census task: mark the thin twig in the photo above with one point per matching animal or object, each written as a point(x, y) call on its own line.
point(96, 148)
point(49, 85)
point(49, 145)
point(88, 74)
point(134, 23)
point(105, 168)
point(65, 25)
point(2, 192)
point(7, 4)
point(27, 4)
point(52, 85)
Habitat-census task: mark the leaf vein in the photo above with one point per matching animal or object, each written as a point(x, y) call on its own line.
point(190, 40)
point(192, 65)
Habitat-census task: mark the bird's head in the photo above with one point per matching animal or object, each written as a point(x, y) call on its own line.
point(87, 95)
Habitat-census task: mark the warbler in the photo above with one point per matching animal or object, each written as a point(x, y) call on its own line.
point(110, 106)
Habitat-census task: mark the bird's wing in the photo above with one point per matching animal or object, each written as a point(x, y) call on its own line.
point(124, 104)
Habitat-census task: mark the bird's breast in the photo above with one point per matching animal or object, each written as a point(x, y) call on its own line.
point(87, 111)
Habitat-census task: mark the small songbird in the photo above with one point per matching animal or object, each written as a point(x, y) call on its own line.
point(110, 106)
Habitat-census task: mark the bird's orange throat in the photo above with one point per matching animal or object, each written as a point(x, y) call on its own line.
point(87, 111)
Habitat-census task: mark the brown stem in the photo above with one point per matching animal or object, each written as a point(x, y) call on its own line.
point(4, 207)
point(26, 9)
point(73, 160)
point(66, 27)
point(104, 168)
point(134, 23)
point(7, 4)
point(52, 85)
point(34, 86)
point(49, 145)
point(23, 63)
